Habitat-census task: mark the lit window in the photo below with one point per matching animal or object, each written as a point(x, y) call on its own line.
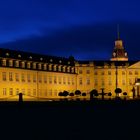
point(80, 81)
point(7, 54)
point(45, 67)
point(45, 79)
point(59, 68)
point(68, 81)
point(123, 73)
point(34, 92)
point(29, 92)
point(95, 73)
point(54, 68)
point(28, 65)
point(40, 78)
point(130, 73)
point(23, 64)
point(34, 65)
point(10, 76)
point(109, 81)
point(72, 81)
point(23, 91)
point(68, 69)
point(64, 80)
point(39, 66)
point(17, 77)
point(88, 72)
point(16, 63)
point(55, 80)
point(11, 91)
point(88, 81)
point(130, 81)
point(22, 77)
point(59, 80)
point(4, 62)
point(102, 82)
point(4, 91)
point(102, 73)
point(96, 82)
point(55, 92)
point(109, 72)
point(50, 80)
point(34, 78)
point(64, 69)
point(17, 91)
point(80, 71)
point(19, 55)
point(50, 92)
point(4, 76)
point(123, 82)
point(10, 63)
point(50, 67)
point(28, 78)
point(136, 72)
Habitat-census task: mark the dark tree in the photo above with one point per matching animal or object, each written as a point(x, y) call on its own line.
point(77, 92)
point(71, 94)
point(125, 94)
point(84, 94)
point(65, 93)
point(118, 91)
point(93, 93)
point(109, 94)
point(60, 94)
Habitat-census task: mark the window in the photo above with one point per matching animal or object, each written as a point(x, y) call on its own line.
point(130, 73)
point(54, 68)
point(64, 69)
point(23, 91)
point(23, 64)
point(11, 91)
point(88, 72)
point(4, 76)
point(68, 69)
point(45, 79)
point(34, 78)
point(109, 81)
point(136, 72)
point(4, 91)
point(45, 67)
point(95, 73)
point(72, 81)
point(123, 82)
point(59, 68)
point(64, 80)
point(10, 63)
point(59, 80)
point(16, 77)
point(16, 63)
point(4, 62)
point(28, 78)
point(10, 76)
point(123, 73)
point(80, 71)
point(34, 65)
point(22, 77)
point(96, 82)
point(130, 81)
point(109, 72)
point(40, 78)
point(102, 73)
point(39, 66)
point(50, 67)
point(50, 80)
point(29, 92)
point(55, 80)
point(17, 91)
point(28, 65)
point(68, 81)
point(80, 81)
point(34, 92)
point(102, 82)
point(50, 92)
point(88, 81)
point(55, 92)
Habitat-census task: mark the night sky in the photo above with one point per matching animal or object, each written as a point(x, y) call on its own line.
point(85, 29)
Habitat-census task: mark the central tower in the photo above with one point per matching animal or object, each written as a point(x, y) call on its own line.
point(119, 53)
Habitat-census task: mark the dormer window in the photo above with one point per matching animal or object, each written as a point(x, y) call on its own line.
point(7, 54)
point(10, 63)
point(28, 65)
point(41, 59)
point(19, 56)
point(30, 57)
point(4, 62)
point(51, 60)
point(16, 63)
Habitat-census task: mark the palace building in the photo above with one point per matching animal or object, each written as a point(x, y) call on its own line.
point(43, 77)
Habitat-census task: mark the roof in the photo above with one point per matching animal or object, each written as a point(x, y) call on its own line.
point(29, 56)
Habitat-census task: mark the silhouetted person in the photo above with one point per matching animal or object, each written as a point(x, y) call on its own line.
point(20, 97)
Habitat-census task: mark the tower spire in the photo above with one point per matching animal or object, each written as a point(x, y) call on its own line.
point(118, 31)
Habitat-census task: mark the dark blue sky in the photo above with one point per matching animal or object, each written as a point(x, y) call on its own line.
point(85, 29)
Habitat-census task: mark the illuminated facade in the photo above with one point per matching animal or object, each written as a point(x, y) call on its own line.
point(43, 77)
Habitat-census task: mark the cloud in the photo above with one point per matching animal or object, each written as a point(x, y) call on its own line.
point(84, 42)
